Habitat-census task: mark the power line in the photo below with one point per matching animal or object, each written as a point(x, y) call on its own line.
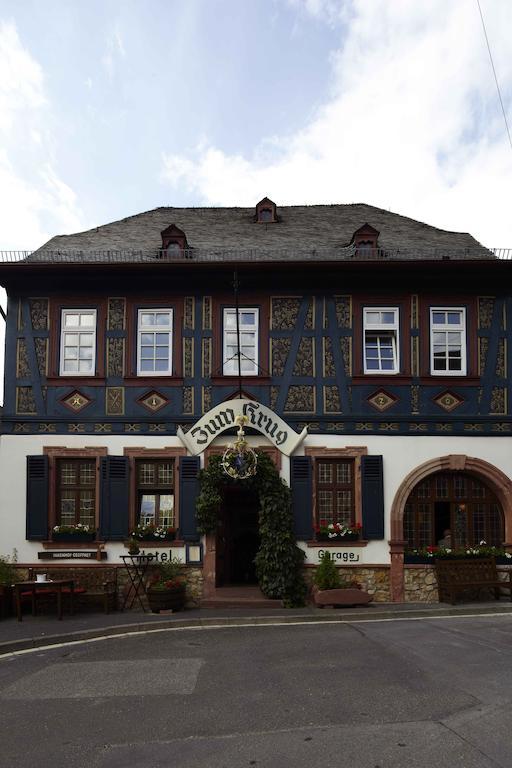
point(495, 76)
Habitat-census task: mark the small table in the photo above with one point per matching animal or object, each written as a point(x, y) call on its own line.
point(45, 587)
point(136, 567)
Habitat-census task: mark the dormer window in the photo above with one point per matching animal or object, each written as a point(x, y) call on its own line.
point(174, 242)
point(266, 211)
point(365, 240)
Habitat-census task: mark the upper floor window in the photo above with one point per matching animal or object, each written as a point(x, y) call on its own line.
point(155, 493)
point(266, 211)
point(335, 491)
point(248, 328)
point(76, 492)
point(448, 341)
point(154, 342)
point(381, 340)
point(78, 342)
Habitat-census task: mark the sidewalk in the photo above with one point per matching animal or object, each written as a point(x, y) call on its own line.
point(38, 631)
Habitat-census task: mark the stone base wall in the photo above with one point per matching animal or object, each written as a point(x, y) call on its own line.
point(420, 584)
point(375, 581)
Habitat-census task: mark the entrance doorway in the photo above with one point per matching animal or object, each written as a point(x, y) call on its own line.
point(238, 538)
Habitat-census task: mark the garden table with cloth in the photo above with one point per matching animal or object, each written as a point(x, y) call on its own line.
point(58, 587)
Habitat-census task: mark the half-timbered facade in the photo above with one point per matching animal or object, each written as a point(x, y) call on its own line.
point(373, 369)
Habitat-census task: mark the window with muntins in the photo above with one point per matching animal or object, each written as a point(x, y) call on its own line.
point(448, 341)
point(335, 500)
point(155, 493)
point(154, 342)
point(76, 492)
point(381, 340)
point(248, 325)
point(78, 342)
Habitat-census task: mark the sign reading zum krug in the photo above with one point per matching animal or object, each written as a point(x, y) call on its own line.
point(224, 416)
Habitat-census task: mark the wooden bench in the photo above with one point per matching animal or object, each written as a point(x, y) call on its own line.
point(95, 585)
point(478, 573)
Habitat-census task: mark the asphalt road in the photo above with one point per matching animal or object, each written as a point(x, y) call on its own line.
point(390, 694)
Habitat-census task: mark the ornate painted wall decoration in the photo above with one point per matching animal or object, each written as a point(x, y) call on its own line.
point(415, 399)
point(76, 428)
point(498, 400)
point(332, 402)
point(114, 401)
point(310, 317)
point(188, 312)
point(76, 401)
point(448, 401)
point(20, 315)
point(157, 427)
point(207, 358)
point(444, 427)
point(207, 313)
point(415, 357)
point(483, 348)
point(274, 394)
point(364, 426)
point(414, 311)
point(501, 359)
point(22, 364)
point(188, 356)
point(21, 427)
point(188, 400)
point(39, 314)
point(115, 357)
point(382, 400)
point(389, 426)
point(153, 401)
point(284, 313)
point(485, 311)
point(44, 392)
point(473, 427)
point(103, 427)
point(334, 426)
point(343, 311)
point(25, 401)
point(48, 427)
point(501, 427)
point(418, 427)
point(346, 353)
point(207, 399)
point(280, 349)
point(132, 427)
point(41, 347)
point(328, 358)
point(305, 360)
point(300, 399)
point(116, 314)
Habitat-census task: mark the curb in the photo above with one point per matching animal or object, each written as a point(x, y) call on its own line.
point(333, 617)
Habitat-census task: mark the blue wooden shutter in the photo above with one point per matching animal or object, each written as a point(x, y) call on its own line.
point(114, 498)
point(302, 496)
point(372, 497)
point(37, 498)
point(189, 490)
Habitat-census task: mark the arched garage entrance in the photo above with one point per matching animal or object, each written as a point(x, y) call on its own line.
point(405, 505)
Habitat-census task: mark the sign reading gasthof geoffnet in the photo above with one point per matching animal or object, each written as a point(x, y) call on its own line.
point(224, 416)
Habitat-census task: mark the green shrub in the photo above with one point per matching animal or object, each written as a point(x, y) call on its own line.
point(326, 575)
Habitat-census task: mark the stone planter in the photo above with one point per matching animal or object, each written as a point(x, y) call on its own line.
point(73, 537)
point(337, 597)
point(166, 599)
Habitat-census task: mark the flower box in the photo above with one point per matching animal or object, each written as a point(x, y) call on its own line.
point(338, 537)
point(73, 537)
point(166, 599)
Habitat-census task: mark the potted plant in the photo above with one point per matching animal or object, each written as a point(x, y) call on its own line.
point(337, 531)
point(7, 578)
point(78, 532)
point(154, 533)
point(330, 589)
point(166, 587)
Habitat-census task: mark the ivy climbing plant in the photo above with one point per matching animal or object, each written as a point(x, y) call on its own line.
point(279, 561)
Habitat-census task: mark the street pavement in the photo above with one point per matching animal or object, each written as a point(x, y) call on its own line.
point(391, 693)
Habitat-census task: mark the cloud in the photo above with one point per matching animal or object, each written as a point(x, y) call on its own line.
point(413, 123)
point(34, 201)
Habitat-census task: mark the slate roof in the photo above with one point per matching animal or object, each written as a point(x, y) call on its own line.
point(300, 227)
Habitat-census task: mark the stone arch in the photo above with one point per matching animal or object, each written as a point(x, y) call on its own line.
point(498, 482)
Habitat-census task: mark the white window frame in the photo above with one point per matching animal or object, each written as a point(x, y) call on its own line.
point(66, 331)
point(392, 329)
point(230, 367)
point(169, 330)
point(447, 328)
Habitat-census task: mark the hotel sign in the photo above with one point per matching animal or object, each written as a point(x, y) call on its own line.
point(224, 416)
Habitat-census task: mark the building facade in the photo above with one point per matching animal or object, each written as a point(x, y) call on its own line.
point(373, 371)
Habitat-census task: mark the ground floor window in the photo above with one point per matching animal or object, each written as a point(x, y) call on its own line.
point(76, 492)
point(155, 492)
point(455, 509)
point(335, 501)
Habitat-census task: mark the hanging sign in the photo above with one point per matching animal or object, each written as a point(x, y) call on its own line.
point(224, 416)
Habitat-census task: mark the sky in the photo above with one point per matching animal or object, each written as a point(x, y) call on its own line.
point(109, 108)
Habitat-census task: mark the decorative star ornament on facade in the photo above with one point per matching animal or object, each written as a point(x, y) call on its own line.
point(239, 461)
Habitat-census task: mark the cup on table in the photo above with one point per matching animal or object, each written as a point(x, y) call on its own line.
point(41, 577)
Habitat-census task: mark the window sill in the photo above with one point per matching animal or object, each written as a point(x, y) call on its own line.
point(339, 543)
point(159, 544)
point(246, 380)
point(73, 544)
